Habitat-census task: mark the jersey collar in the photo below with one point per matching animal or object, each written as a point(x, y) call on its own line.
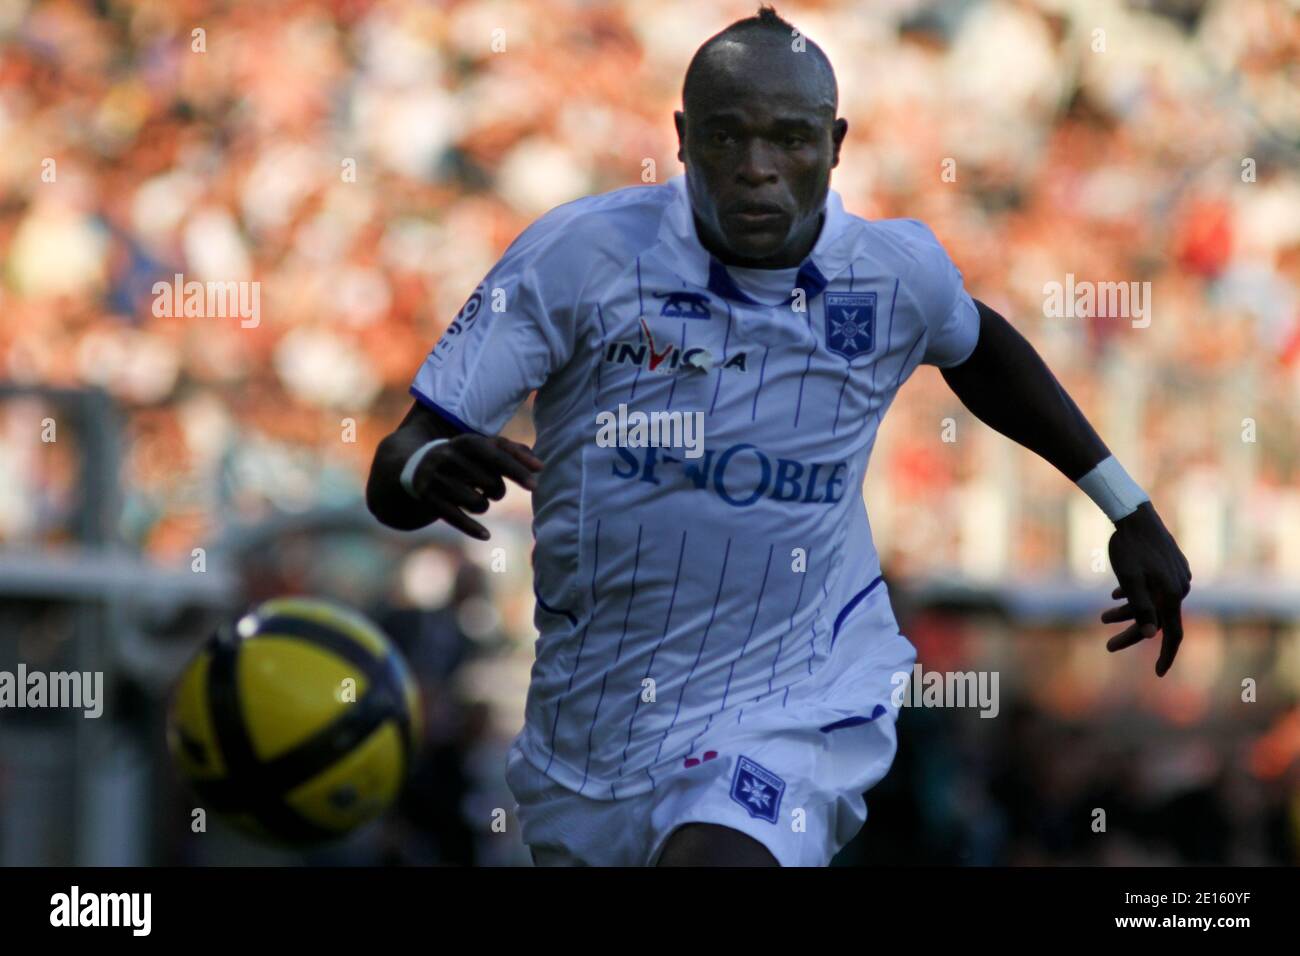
point(830, 255)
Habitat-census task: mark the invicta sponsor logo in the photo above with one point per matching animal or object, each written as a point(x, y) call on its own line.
point(666, 358)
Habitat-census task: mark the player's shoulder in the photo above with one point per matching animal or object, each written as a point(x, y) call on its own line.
point(619, 223)
point(906, 241)
point(909, 249)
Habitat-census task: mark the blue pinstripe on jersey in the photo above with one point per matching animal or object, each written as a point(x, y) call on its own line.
point(725, 340)
point(673, 387)
point(761, 370)
point(803, 577)
point(758, 603)
point(848, 371)
point(888, 341)
point(798, 405)
point(604, 337)
point(627, 615)
point(591, 613)
point(713, 613)
point(650, 667)
point(640, 311)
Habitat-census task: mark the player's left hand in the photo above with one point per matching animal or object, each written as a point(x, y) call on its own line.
point(1154, 577)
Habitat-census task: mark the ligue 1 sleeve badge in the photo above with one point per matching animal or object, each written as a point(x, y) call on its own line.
point(851, 323)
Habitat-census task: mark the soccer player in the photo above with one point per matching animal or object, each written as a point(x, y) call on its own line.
point(714, 669)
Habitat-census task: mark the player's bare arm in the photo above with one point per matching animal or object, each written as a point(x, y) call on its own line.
point(458, 474)
point(1006, 385)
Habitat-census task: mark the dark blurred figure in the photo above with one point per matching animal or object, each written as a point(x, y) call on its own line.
point(429, 824)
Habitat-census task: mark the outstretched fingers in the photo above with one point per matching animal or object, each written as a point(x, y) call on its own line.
point(1139, 609)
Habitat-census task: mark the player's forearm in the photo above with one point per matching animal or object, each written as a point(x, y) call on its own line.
point(1006, 385)
point(387, 500)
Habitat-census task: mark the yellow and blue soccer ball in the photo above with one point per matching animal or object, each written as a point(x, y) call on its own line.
point(298, 722)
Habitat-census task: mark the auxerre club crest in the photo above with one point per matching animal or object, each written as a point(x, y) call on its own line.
point(850, 323)
point(757, 789)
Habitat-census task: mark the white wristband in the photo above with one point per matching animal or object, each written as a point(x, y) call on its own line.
point(412, 463)
point(1114, 492)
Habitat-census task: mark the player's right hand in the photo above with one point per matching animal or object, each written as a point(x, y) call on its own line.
point(466, 472)
point(1154, 578)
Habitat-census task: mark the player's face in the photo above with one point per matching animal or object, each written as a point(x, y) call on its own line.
point(759, 147)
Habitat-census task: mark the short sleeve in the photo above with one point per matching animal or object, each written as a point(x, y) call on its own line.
point(951, 318)
point(953, 339)
point(516, 328)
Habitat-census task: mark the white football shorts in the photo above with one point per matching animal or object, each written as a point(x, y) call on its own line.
point(791, 777)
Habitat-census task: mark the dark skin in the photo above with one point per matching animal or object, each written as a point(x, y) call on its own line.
point(760, 128)
point(453, 481)
point(1006, 385)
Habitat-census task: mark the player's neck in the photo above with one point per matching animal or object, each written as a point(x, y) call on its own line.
point(794, 255)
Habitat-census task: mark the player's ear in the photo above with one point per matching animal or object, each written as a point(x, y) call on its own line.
point(839, 129)
point(679, 120)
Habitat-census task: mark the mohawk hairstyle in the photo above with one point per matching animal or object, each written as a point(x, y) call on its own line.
point(767, 23)
point(766, 19)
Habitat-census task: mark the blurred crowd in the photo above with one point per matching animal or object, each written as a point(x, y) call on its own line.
point(1085, 765)
point(366, 161)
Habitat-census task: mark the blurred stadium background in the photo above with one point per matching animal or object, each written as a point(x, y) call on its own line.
point(1171, 156)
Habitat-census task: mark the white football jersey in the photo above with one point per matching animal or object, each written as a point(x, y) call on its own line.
point(680, 596)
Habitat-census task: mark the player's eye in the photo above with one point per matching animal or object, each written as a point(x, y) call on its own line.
point(794, 142)
point(722, 138)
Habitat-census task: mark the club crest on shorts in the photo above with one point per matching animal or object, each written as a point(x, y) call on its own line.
point(850, 323)
point(757, 790)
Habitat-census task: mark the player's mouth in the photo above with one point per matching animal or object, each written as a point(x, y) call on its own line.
point(758, 216)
